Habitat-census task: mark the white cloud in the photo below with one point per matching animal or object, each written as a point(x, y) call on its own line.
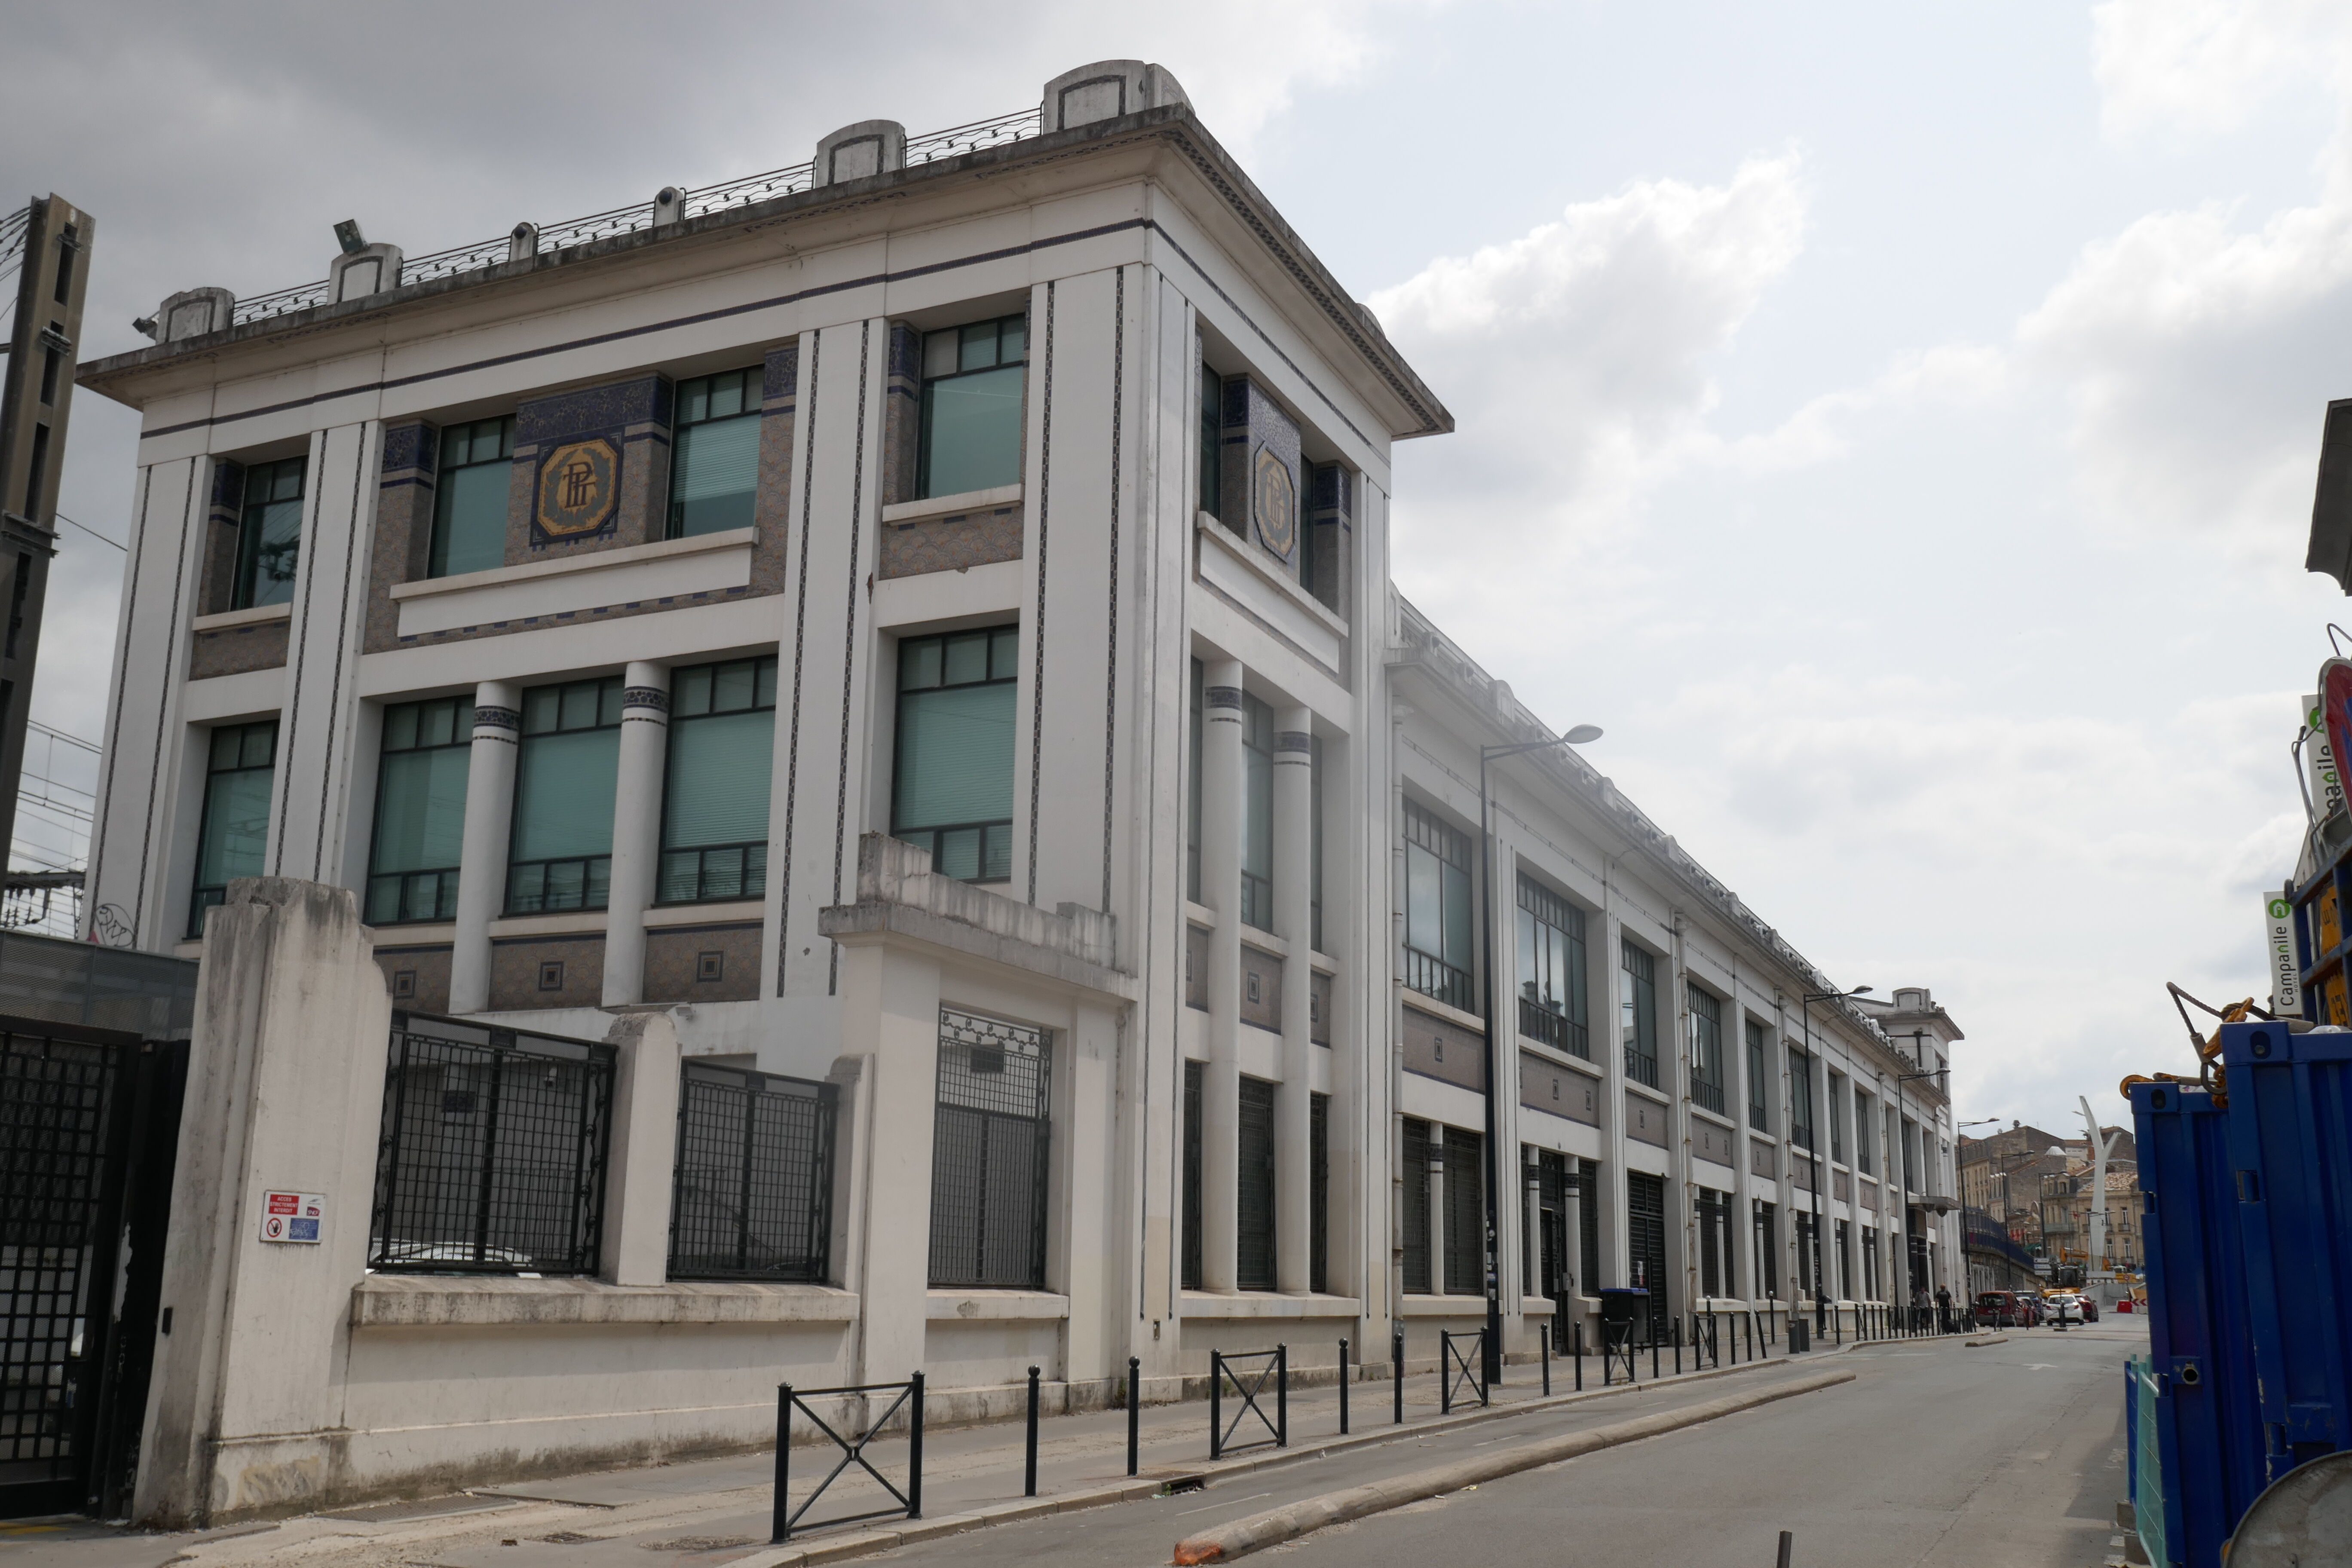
point(2209, 64)
point(1576, 359)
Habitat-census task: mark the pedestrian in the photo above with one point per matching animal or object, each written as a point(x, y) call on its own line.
point(1944, 1308)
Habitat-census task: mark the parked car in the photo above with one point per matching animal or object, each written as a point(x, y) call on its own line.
point(2001, 1309)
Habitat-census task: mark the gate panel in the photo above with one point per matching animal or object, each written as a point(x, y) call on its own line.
point(63, 1138)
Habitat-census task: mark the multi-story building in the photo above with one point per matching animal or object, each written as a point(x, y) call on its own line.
point(923, 619)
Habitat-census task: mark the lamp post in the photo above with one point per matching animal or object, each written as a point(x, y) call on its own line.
point(1491, 1354)
point(1813, 1152)
point(1960, 1128)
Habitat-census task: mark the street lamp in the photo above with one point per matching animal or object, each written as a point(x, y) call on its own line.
point(1491, 1356)
point(1813, 1149)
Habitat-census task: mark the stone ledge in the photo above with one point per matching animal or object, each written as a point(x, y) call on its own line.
point(227, 618)
point(995, 1306)
point(1268, 1304)
point(445, 1301)
point(948, 506)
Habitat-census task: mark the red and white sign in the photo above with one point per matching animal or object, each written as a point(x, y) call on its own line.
point(292, 1217)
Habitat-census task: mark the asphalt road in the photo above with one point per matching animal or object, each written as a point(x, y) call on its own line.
point(2005, 1457)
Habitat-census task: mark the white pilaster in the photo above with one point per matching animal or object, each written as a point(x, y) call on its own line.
point(1294, 805)
point(636, 828)
point(490, 817)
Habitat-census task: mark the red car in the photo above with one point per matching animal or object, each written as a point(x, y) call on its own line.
point(2002, 1310)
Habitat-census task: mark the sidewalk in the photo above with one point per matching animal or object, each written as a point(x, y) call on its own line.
point(717, 1512)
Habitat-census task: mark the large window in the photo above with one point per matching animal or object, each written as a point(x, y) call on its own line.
point(972, 407)
point(1638, 1014)
point(1213, 442)
point(1766, 1278)
point(1837, 1117)
point(714, 465)
point(235, 835)
point(1551, 969)
point(1193, 794)
point(953, 792)
point(1759, 1093)
point(1257, 814)
point(1195, 1076)
point(1646, 1244)
point(1864, 1134)
point(1800, 1099)
point(723, 740)
point(561, 854)
point(1437, 909)
point(1713, 1212)
point(469, 500)
point(1706, 1048)
point(1253, 1189)
point(1319, 1192)
point(420, 811)
point(990, 1154)
point(269, 534)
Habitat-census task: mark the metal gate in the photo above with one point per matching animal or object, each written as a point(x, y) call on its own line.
point(89, 1125)
point(1645, 1243)
point(1551, 1240)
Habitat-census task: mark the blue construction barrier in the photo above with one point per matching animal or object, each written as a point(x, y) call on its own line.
point(2289, 1123)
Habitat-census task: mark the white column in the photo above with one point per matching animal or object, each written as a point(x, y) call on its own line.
point(636, 1248)
point(482, 864)
point(636, 828)
point(1222, 784)
point(1294, 921)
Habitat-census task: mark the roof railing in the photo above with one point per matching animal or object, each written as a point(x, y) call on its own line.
point(700, 201)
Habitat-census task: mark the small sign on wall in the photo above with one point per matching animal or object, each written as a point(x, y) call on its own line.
point(292, 1217)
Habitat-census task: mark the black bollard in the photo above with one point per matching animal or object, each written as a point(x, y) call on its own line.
point(1678, 1345)
point(1134, 1415)
point(1543, 1353)
point(1578, 1331)
point(1343, 1388)
point(1282, 1396)
point(1396, 1370)
point(1029, 1466)
point(1216, 1405)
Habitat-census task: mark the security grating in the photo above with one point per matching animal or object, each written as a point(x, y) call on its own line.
point(989, 1155)
point(752, 1196)
point(1254, 1189)
point(491, 1158)
point(56, 1094)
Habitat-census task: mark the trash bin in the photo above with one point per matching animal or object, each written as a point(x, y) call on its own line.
point(1627, 1304)
point(1800, 1335)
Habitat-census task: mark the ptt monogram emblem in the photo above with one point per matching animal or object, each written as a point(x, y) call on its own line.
point(1274, 504)
point(578, 486)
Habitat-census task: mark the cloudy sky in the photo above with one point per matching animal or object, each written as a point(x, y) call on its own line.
point(1896, 425)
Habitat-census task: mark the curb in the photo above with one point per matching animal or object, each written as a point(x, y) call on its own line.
point(1989, 1340)
point(1293, 1520)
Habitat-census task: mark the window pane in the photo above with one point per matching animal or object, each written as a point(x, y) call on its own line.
point(1457, 917)
point(716, 474)
point(967, 659)
point(273, 549)
point(420, 822)
point(718, 771)
point(563, 795)
point(1422, 902)
point(955, 756)
point(469, 520)
point(237, 827)
point(919, 665)
point(972, 432)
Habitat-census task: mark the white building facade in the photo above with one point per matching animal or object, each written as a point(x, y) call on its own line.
point(921, 623)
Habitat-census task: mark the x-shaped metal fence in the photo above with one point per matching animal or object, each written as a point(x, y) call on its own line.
point(853, 1450)
point(1459, 1368)
point(1617, 1350)
point(1269, 1364)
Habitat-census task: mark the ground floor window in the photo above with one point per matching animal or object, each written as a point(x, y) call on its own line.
point(1413, 1194)
point(1465, 1213)
point(1319, 1194)
point(1713, 1216)
point(1869, 1265)
point(1645, 1241)
point(1196, 1073)
point(1766, 1263)
point(1844, 1260)
point(1253, 1189)
point(989, 1153)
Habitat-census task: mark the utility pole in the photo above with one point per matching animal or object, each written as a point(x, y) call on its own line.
point(50, 240)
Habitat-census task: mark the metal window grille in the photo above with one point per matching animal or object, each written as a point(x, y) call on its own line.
point(1714, 1241)
point(752, 1193)
point(989, 1155)
point(1415, 1199)
point(1588, 1219)
point(491, 1159)
point(1318, 1197)
point(1800, 1099)
point(1253, 1261)
point(1195, 1075)
point(1465, 1213)
point(1430, 969)
point(1645, 1241)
